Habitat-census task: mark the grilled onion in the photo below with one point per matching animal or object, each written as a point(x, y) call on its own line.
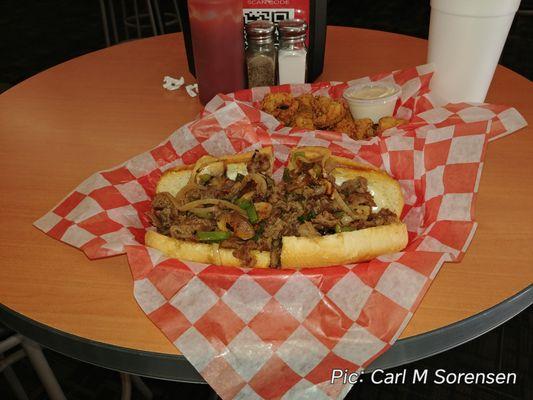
point(218, 202)
point(222, 222)
point(176, 234)
point(263, 209)
point(307, 230)
point(203, 212)
point(329, 165)
point(260, 182)
point(362, 212)
point(261, 186)
point(345, 219)
point(240, 226)
point(338, 198)
point(200, 164)
point(180, 196)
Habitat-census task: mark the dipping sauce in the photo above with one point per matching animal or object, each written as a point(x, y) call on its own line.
point(372, 100)
point(372, 92)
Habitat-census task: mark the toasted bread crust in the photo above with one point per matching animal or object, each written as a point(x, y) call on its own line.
point(385, 190)
point(344, 247)
point(208, 253)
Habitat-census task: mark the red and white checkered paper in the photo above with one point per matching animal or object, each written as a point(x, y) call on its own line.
point(269, 334)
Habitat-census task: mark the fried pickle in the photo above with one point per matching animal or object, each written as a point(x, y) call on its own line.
point(321, 112)
point(304, 119)
point(389, 122)
point(305, 102)
point(327, 111)
point(282, 106)
point(364, 128)
point(357, 129)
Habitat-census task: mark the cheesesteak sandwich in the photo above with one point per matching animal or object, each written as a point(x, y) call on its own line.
point(326, 210)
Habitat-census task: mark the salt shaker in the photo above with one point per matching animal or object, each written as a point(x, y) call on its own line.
point(292, 53)
point(260, 54)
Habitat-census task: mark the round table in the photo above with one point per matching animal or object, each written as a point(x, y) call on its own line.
point(98, 110)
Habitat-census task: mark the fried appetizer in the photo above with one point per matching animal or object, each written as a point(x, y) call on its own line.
point(305, 120)
point(321, 112)
point(389, 122)
point(282, 106)
point(327, 111)
point(305, 102)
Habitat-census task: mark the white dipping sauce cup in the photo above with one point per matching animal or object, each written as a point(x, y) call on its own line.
point(373, 108)
point(466, 38)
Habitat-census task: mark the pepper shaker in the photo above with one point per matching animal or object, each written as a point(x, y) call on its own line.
point(260, 54)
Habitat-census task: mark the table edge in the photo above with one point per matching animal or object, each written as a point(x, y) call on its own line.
point(177, 368)
point(430, 343)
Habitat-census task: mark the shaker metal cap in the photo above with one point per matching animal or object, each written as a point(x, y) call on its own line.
point(259, 29)
point(292, 27)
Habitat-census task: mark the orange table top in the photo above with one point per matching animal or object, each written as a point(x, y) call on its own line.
point(98, 110)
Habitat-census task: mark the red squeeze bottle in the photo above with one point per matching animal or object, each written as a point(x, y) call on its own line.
point(218, 46)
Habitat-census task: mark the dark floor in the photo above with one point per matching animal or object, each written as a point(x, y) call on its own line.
point(508, 348)
point(36, 35)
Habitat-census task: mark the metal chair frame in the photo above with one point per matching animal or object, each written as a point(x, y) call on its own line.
point(37, 359)
point(34, 352)
point(157, 22)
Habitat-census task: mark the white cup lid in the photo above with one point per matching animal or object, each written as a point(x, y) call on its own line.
point(476, 8)
point(384, 92)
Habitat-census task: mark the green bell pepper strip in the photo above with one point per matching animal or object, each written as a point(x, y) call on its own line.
point(259, 231)
point(204, 178)
point(297, 154)
point(286, 175)
point(213, 236)
point(202, 213)
point(307, 217)
point(339, 229)
point(249, 207)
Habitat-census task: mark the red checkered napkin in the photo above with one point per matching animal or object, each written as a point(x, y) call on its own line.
point(264, 334)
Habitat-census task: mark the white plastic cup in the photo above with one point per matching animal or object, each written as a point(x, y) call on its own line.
point(466, 38)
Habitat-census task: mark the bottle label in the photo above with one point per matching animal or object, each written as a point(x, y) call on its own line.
point(277, 10)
